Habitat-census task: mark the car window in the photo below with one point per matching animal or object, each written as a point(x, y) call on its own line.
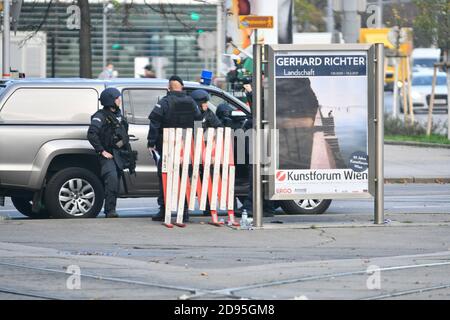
point(428, 81)
point(216, 100)
point(138, 103)
point(424, 62)
point(51, 105)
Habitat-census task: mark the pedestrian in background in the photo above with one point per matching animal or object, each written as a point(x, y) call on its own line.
point(108, 72)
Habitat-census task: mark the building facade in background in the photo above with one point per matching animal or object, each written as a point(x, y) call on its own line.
point(164, 31)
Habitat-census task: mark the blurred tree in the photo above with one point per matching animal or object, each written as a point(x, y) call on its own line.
point(85, 40)
point(310, 15)
point(432, 23)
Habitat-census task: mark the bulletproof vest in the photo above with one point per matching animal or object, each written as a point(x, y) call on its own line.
point(116, 131)
point(181, 113)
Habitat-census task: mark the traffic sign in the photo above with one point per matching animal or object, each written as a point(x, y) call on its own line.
point(255, 22)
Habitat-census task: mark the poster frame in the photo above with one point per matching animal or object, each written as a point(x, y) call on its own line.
point(270, 115)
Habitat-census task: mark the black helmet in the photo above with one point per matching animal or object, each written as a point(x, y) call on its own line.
point(109, 96)
point(200, 96)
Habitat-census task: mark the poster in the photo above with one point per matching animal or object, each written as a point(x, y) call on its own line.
point(321, 114)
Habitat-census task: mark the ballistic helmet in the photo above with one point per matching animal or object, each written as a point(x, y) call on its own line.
point(200, 96)
point(109, 96)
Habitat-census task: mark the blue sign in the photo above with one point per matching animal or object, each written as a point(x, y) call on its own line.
point(295, 66)
point(206, 77)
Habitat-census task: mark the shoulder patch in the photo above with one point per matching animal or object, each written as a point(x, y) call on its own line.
point(157, 105)
point(97, 119)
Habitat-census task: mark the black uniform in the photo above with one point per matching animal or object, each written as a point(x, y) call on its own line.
point(210, 120)
point(175, 110)
point(108, 129)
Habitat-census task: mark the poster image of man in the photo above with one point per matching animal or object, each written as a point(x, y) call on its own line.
point(314, 130)
point(306, 136)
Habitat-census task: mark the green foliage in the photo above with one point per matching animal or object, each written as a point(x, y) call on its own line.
point(434, 138)
point(395, 129)
point(396, 126)
point(309, 16)
point(433, 20)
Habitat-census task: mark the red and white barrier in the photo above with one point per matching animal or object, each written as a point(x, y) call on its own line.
point(181, 189)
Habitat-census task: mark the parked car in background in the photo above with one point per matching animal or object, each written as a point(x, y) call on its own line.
point(421, 89)
point(425, 58)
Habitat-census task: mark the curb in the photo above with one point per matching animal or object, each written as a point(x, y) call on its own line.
point(417, 144)
point(350, 225)
point(416, 180)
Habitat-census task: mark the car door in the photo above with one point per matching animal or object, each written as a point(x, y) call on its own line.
point(240, 118)
point(137, 105)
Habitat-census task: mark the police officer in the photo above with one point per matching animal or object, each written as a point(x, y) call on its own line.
point(210, 120)
point(268, 206)
point(108, 134)
point(175, 110)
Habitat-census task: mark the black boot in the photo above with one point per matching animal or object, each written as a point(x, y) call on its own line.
point(111, 214)
point(160, 216)
point(186, 217)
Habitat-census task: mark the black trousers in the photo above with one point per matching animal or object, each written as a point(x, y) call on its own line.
point(111, 175)
point(268, 205)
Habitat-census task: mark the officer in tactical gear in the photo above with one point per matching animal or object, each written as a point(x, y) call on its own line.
point(175, 110)
point(108, 134)
point(210, 120)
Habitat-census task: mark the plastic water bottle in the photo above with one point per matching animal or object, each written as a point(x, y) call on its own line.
point(244, 219)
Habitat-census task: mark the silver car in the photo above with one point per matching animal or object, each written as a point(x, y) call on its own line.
point(421, 87)
point(45, 157)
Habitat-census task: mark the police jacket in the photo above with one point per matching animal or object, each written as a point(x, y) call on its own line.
point(175, 110)
point(210, 120)
point(103, 131)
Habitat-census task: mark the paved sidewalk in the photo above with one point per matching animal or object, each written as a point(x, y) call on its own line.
point(416, 164)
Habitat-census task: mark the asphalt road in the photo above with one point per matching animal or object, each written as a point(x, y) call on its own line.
point(399, 198)
point(338, 255)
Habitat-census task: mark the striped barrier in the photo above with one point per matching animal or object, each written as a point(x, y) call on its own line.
point(211, 179)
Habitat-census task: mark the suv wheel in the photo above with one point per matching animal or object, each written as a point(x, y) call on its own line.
point(305, 206)
point(74, 193)
point(24, 206)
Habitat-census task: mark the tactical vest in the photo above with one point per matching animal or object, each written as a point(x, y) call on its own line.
point(180, 114)
point(115, 130)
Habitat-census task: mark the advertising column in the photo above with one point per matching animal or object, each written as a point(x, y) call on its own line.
point(321, 110)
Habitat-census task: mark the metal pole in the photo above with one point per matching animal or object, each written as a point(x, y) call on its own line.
point(330, 18)
point(220, 37)
point(257, 139)
point(379, 135)
point(6, 41)
point(175, 56)
point(380, 14)
point(105, 30)
point(53, 55)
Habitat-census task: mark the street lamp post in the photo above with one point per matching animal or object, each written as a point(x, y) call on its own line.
point(105, 30)
point(6, 41)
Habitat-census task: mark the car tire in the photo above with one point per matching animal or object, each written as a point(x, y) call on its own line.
point(305, 206)
point(24, 206)
point(74, 193)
